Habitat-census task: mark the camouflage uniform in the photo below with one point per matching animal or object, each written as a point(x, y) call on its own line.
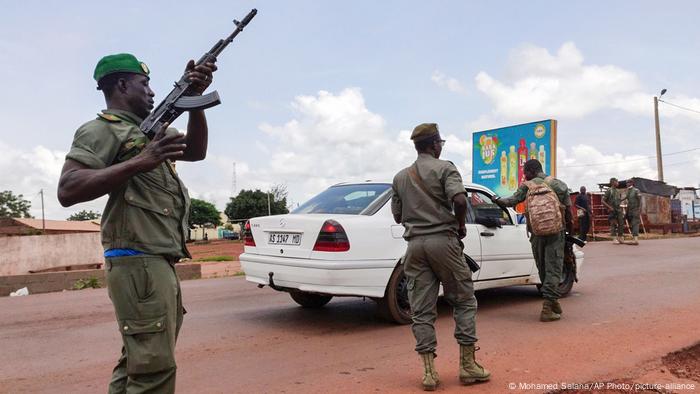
point(617, 219)
point(434, 253)
point(547, 250)
point(634, 201)
point(149, 213)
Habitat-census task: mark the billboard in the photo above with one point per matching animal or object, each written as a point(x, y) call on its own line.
point(498, 155)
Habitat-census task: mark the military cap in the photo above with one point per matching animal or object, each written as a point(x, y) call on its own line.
point(613, 179)
point(119, 63)
point(424, 131)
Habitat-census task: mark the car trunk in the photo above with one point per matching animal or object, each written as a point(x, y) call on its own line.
point(287, 235)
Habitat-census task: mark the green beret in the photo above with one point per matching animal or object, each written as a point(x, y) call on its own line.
point(119, 63)
point(424, 131)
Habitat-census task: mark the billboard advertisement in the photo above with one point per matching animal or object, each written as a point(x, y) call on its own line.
point(498, 155)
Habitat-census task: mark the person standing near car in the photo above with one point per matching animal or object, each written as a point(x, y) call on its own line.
point(548, 250)
point(583, 212)
point(145, 222)
point(611, 200)
point(424, 196)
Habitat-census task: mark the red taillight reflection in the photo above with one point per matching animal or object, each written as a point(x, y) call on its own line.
point(248, 235)
point(332, 238)
point(329, 228)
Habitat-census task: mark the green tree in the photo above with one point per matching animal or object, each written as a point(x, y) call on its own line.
point(84, 215)
point(203, 214)
point(12, 206)
point(249, 204)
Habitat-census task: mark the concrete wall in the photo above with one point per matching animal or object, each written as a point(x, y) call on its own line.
point(57, 281)
point(19, 255)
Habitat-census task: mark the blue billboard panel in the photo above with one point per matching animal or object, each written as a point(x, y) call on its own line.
point(498, 155)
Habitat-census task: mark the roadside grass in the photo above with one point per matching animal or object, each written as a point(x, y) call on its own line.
point(239, 273)
point(87, 283)
point(214, 258)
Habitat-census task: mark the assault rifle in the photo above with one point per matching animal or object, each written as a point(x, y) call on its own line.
point(177, 101)
point(575, 240)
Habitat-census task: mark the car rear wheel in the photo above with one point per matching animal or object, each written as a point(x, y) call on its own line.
point(394, 306)
point(310, 300)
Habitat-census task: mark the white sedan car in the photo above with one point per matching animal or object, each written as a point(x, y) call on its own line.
point(344, 242)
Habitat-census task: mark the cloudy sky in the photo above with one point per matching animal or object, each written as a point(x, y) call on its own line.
point(319, 92)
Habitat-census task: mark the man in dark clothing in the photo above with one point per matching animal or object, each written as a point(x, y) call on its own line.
point(583, 212)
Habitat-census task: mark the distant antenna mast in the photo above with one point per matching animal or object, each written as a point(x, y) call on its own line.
point(233, 182)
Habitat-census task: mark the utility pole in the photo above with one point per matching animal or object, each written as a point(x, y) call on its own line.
point(269, 212)
point(659, 160)
point(43, 219)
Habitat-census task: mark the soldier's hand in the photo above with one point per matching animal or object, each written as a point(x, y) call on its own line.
point(495, 200)
point(200, 76)
point(163, 146)
point(462, 232)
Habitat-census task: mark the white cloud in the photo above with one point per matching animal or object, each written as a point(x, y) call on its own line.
point(332, 138)
point(27, 172)
point(451, 84)
point(585, 165)
point(672, 108)
point(561, 85)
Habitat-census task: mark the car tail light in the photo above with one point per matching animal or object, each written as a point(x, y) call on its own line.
point(332, 238)
point(248, 235)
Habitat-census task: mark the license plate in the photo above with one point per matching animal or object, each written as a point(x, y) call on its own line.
point(284, 239)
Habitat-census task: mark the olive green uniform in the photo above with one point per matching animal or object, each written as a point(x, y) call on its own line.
point(435, 252)
point(634, 206)
point(548, 250)
point(617, 219)
point(148, 214)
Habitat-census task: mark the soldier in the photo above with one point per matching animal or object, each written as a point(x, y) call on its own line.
point(423, 200)
point(547, 250)
point(611, 200)
point(583, 213)
point(145, 222)
point(634, 205)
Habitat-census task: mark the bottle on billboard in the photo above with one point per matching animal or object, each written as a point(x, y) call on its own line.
point(522, 158)
point(512, 168)
point(504, 169)
point(533, 151)
point(542, 158)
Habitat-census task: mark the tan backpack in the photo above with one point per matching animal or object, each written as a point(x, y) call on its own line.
point(544, 211)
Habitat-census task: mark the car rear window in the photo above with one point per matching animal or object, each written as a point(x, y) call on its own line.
point(345, 199)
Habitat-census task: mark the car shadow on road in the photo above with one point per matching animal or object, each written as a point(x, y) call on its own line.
point(507, 296)
point(350, 313)
point(342, 313)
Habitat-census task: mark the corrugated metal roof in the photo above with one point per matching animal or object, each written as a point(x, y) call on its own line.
point(60, 225)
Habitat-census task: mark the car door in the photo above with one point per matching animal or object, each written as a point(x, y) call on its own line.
point(505, 248)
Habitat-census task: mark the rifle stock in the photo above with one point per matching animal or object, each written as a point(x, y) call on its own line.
point(575, 240)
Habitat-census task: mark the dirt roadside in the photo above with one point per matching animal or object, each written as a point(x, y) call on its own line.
point(676, 372)
point(216, 248)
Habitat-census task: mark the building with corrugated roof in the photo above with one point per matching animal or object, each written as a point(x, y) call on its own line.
point(24, 226)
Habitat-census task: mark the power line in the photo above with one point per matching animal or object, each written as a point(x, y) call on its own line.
point(626, 161)
point(679, 163)
point(680, 106)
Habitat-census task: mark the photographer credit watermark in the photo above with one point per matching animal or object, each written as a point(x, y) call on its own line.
point(621, 386)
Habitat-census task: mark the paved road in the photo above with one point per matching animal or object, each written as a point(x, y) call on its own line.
point(632, 304)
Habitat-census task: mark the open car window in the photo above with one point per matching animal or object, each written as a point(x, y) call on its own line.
point(486, 212)
point(347, 199)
